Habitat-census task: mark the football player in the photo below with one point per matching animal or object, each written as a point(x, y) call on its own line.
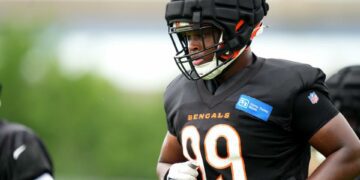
point(344, 88)
point(23, 156)
point(235, 115)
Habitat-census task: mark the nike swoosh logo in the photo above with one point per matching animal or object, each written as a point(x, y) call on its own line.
point(18, 151)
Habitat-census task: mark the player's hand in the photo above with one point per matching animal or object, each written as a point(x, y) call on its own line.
point(183, 171)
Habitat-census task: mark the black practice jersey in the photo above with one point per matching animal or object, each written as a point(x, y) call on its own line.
point(22, 154)
point(247, 129)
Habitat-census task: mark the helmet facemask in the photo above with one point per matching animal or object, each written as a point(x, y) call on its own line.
point(209, 58)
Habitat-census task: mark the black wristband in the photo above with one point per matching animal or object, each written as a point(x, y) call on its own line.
point(166, 174)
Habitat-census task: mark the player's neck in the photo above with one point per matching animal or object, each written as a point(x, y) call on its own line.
point(245, 59)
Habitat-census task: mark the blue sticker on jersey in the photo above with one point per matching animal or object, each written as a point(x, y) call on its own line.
point(254, 107)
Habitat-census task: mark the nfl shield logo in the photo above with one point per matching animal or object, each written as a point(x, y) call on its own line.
point(313, 98)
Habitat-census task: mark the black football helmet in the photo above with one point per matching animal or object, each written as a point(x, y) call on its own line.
point(344, 89)
point(237, 21)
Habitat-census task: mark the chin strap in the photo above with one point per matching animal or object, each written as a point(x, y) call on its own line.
point(214, 64)
point(217, 66)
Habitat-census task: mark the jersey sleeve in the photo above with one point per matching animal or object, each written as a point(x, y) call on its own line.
point(313, 79)
point(168, 106)
point(174, 96)
point(312, 107)
point(170, 124)
point(23, 154)
point(30, 158)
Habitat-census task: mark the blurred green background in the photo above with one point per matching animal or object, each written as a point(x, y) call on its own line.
point(91, 128)
point(88, 76)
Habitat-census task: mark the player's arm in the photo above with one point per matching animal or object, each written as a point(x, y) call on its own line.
point(171, 153)
point(341, 147)
point(318, 122)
